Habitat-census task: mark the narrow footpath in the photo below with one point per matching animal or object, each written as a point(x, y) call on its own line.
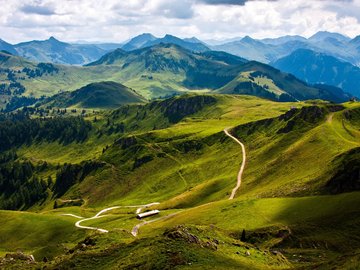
point(238, 184)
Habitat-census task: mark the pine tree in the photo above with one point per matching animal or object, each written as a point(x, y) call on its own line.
point(243, 236)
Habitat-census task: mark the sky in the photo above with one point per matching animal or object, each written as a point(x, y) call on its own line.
point(117, 21)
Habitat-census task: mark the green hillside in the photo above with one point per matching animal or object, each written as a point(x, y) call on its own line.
point(103, 95)
point(297, 201)
point(262, 80)
point(51, 231)
point(183, 136)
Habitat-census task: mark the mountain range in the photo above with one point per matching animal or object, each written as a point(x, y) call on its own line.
point(263, 50)
point(55, 51)
point(314, 67)
point(269, 50)
point(274, 51)
point(159, 71)
point(58, 52)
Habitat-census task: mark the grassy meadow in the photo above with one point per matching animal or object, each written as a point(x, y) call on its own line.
point(189, 166)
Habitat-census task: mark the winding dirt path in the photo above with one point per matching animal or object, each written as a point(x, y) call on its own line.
point(233, 193)
point(72, 215)
point(135, 229)
point(100, 215)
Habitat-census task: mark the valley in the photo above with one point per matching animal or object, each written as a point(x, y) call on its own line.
point(175, 153)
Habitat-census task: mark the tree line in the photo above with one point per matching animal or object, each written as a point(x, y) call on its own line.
point(21, 184)
point(19, 129)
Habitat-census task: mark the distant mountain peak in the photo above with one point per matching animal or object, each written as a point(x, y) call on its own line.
point(193, 40)
point(138, 41)
point(322, 35)
point(248, 39)
point(54, 40)
point(143, 37)
point(146, 35)
point(169, 36)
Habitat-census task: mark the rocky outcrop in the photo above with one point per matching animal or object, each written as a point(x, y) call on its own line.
point(183, 233)
point(19, 256)
point(347, 173)
point(176, 109)
point(126, 142)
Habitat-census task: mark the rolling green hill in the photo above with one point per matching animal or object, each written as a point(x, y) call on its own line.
point(175, 152)
point(103, 95)
point(262, 80)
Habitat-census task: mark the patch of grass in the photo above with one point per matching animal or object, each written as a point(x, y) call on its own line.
point(32, 232)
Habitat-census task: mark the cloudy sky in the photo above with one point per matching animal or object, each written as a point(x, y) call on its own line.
point(118, 20)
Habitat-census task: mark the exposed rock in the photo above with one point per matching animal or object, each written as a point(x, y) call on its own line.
point(83, 245)
point(181, 232)
point(19, 256)
point(126, 142)
point(178, 108)
point(288, 115)
point(335, 108)
point(142, 160)
point(295, 117)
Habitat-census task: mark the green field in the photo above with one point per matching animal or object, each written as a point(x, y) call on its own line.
point(292, 204)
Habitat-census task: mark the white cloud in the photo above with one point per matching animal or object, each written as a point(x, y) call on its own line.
point(111, 20)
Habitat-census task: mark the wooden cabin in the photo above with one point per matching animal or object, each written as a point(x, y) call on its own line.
point(147, 214)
